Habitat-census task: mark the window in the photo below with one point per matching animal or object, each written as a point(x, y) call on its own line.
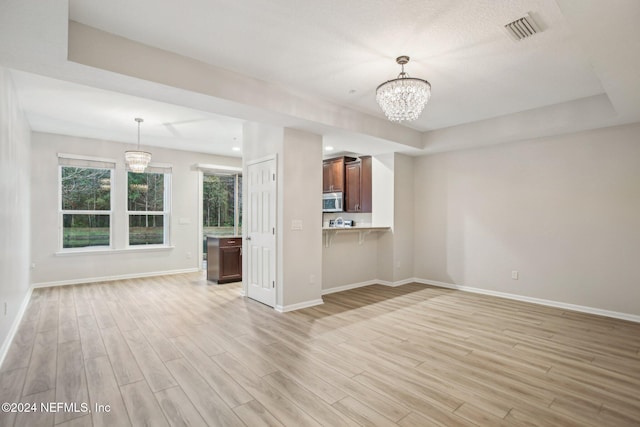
point(85, 202)
point(222, 205)
point(148, 207)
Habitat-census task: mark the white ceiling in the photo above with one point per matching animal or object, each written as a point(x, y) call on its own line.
point(60, 107)
point(331, 52)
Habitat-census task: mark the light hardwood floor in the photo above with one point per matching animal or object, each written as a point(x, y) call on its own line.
point(176, 351)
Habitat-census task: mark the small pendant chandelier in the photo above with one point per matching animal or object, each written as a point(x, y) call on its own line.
point(137, 161)
point(403, 98)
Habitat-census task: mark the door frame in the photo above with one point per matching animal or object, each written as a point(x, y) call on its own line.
point(245, 201)
point(209, 169)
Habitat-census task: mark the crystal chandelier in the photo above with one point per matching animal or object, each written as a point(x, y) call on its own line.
point(137, 160)
point(403, 98)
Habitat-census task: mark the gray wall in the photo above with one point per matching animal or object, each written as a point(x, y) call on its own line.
point(14, 210)
point(564, 211)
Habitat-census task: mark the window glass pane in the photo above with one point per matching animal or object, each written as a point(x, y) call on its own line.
point(86, 189)
point(218, 201)
point(80, 231)
point(146, 229)
point(146, 192)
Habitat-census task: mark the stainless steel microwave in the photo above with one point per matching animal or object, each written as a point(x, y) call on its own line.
point(332, 202)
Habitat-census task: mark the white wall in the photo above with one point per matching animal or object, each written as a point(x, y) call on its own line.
point(382, 212)
point(302, 201)
point(346, 262)
point(52, 268)
point(564, 211)
point(14, 210)
point(299, 163)
point(403, 224)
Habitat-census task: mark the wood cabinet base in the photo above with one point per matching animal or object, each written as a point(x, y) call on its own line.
point(224, 259)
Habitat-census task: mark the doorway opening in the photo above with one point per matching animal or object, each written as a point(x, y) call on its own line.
point(221, 207)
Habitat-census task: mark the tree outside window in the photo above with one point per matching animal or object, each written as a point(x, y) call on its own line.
point(221, 206)
point(146, 207)
point(85, 206)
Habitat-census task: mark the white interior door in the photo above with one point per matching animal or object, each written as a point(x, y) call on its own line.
point(261, 231)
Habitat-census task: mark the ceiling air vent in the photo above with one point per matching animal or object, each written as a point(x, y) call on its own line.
point(522, 28)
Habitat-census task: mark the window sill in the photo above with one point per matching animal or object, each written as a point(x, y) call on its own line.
point(104, 251)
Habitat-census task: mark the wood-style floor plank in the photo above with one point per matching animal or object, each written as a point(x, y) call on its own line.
point(175, 350)
point(142, 406)
point(42, 368)
point(208, 403)
point(90, 338)
point(104, 390)
point(307, 401)
point(11, 384)
point(37, 418)
point(178, 409)
point(153, 369)
point(224, 384)
point(68, 321)
point(286, 411)
point(254, 414)
point(362, 413)
point(71, 381)
point(124, 365)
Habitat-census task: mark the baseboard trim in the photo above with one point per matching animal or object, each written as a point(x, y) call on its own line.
point(350, 286)
point(367, 283)
point(112, 278)
point(298, 306)
point(540, 301)
point(14, 326)
point(398, 283)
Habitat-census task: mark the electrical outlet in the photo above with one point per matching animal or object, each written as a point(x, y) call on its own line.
point(33, 266)
point(515, 274)
point(312, 279)
point(188, 255)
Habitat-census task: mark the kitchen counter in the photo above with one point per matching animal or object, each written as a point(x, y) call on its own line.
point(330, 232)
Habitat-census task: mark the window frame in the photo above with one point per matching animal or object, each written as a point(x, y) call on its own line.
point(237, 203)
point(166, 213)
point(83, 162)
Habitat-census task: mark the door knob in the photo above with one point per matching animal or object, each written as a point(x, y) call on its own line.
point(248, 238)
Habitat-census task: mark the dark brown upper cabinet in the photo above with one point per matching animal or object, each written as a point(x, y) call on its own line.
point(358, 185)
point(333, 179)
